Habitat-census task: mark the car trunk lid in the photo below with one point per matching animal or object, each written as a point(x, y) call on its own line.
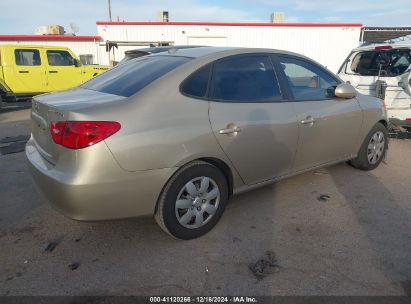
point(63, 106)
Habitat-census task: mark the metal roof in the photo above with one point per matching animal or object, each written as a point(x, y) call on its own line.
point(380, 34)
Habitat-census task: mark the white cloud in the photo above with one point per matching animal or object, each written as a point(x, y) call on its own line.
point(181, 10)
point(368, 12)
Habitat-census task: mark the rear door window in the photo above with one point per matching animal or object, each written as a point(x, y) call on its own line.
point(387, 63)
point(306, 80)
point(132, 76)
point(27, 57)
point(245, 78)
point(196, 84)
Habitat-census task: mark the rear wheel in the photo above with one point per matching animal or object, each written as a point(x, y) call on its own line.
point(373, 149)
point(192, 201)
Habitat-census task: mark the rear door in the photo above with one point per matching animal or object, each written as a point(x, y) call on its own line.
point(27, 74)
point(253, 123)
point(329, 126)
point(62, 70)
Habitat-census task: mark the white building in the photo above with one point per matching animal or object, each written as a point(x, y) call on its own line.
point(328, 44)
point(83, 46)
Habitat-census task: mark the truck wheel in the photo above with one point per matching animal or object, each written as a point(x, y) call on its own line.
point(373, 149)
point(193, 201)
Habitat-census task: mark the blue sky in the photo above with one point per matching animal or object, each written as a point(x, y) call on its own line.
point(23, 16)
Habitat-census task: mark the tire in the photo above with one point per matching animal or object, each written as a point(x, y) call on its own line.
point(364, 160)
point(197, 205)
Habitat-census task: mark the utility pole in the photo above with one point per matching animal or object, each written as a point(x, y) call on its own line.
point(109, 9)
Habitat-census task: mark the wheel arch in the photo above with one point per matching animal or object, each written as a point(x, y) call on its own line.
point(383, 122)
point(224, 168)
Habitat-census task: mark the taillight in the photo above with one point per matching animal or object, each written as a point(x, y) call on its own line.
point(81, 134)
point(383, 47)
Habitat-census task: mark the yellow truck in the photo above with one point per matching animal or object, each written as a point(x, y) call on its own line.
point(28, 70)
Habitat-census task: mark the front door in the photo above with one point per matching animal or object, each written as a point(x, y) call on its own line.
point(253, 124)
point(63, 72)
point(28, 74)
point(329, 126)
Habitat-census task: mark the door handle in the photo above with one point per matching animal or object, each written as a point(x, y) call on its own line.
point(53, 71)
point(24, 72)
point(308, 120)
point(230, 130)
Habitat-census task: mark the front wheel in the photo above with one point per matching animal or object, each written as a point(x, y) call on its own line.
point(373, 149)
point(193, 201)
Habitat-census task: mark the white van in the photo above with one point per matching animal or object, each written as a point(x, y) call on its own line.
point(383, 71)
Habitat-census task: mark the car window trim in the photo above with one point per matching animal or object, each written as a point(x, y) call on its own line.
point(211, 81)
point(355, 54)
point(205, 97)
point(24, 49)
point(292, 97)
point(343, 67)
point(55, 51)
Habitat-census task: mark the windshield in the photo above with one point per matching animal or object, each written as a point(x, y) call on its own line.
point(392, 62)
point(132, 76)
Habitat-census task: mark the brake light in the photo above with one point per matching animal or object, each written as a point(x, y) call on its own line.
point(383, 47)
point(81, 134)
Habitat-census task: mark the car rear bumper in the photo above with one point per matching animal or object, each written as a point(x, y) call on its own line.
point(130, 194)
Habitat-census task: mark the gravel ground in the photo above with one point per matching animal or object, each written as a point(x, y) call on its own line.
point(356, 242)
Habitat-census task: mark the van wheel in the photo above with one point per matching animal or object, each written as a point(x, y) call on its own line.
point(193, 201)
point(373, 149)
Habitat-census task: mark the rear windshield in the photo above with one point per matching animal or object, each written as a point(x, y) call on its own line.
point(129, 78)
point(389, 63)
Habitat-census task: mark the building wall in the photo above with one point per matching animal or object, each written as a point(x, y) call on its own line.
point(78, 47)
point(327, 44)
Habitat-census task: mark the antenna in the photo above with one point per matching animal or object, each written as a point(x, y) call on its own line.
point(75, 28)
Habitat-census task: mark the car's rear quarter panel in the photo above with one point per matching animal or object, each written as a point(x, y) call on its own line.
point(161, 128)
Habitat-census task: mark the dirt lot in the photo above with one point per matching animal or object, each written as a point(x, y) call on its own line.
point(358, 242)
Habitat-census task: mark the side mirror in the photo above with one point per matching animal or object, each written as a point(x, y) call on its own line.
point(77, 63)
point(345, 90)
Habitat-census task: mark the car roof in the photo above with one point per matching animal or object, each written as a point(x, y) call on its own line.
point(32, 46)
point(217, 51)
point(158, 49)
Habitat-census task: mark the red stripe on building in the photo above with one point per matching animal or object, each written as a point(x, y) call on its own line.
point(234, 24)
point(48, 38)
